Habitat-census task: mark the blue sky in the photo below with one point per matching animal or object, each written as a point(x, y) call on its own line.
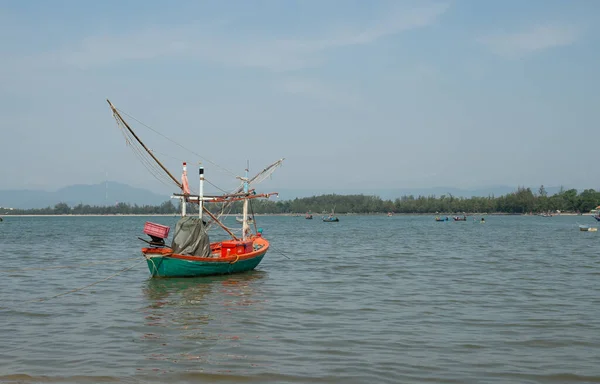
point(373, 94)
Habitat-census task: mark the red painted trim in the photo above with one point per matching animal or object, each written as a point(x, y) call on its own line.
point(168, 252)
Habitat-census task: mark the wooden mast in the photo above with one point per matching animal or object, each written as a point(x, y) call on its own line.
point(116, 113)
point(238, 193)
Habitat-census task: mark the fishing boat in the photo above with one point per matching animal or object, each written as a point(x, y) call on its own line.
point(441, 218)
point(191, 253)
point(457, 218)
point(241, 220)
point(587, 228)
point(308, 216)
point(332, 218)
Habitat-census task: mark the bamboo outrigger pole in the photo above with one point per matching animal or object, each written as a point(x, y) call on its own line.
point(117, 114)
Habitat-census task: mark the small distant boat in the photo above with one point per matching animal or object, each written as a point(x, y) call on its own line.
point(331, 218)
point(597, 217)
point(241, 220)
point(441, 218)
point(456, 218)
point(587, 228)
point(390, 214)
point(308, 216)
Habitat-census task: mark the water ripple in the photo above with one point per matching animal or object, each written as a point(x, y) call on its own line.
point(368, 299)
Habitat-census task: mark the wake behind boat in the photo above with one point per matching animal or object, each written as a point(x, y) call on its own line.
point(587, 228)
point(191, 253)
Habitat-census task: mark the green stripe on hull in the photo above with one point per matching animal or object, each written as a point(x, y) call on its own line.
point(171, 267)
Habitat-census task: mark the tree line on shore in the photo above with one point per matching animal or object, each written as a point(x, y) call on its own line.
point(521, 201)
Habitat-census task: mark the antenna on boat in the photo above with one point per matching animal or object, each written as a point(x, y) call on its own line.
point(201, 194)
point(245, 226)
point(246, 176)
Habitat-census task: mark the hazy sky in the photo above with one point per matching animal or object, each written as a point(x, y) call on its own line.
point(382, 94)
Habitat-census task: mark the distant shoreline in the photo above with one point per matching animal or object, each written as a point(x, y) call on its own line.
point(302, 215)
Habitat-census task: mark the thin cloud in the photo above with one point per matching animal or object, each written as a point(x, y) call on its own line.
point(533, 40)
point(318, 91)
point(205, 44)
point(395, 21)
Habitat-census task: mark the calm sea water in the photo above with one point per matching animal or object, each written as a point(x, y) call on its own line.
point(371, 299)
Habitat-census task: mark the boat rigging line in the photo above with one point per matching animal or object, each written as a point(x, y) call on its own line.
point(150, 166)
point(155, 167)
point(281, 253)
point(42, 299)
point(66, 266)
point(120, 119)
point(176, 143)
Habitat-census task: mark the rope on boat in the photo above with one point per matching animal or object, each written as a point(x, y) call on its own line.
point(281, 253)
point(155, 268)
point(236, 260)
point(253, 218)
point(86, 286)
point(179, 145)
point(66, 266)
point(151, 166)
point(220, 189)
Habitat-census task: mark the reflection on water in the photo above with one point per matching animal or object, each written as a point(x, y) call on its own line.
point(162, 292)
point(241, 289)
point(186, 311)
point(176, 291)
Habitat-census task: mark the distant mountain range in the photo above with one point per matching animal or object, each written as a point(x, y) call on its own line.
point(102, 194)
point(110, 193)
